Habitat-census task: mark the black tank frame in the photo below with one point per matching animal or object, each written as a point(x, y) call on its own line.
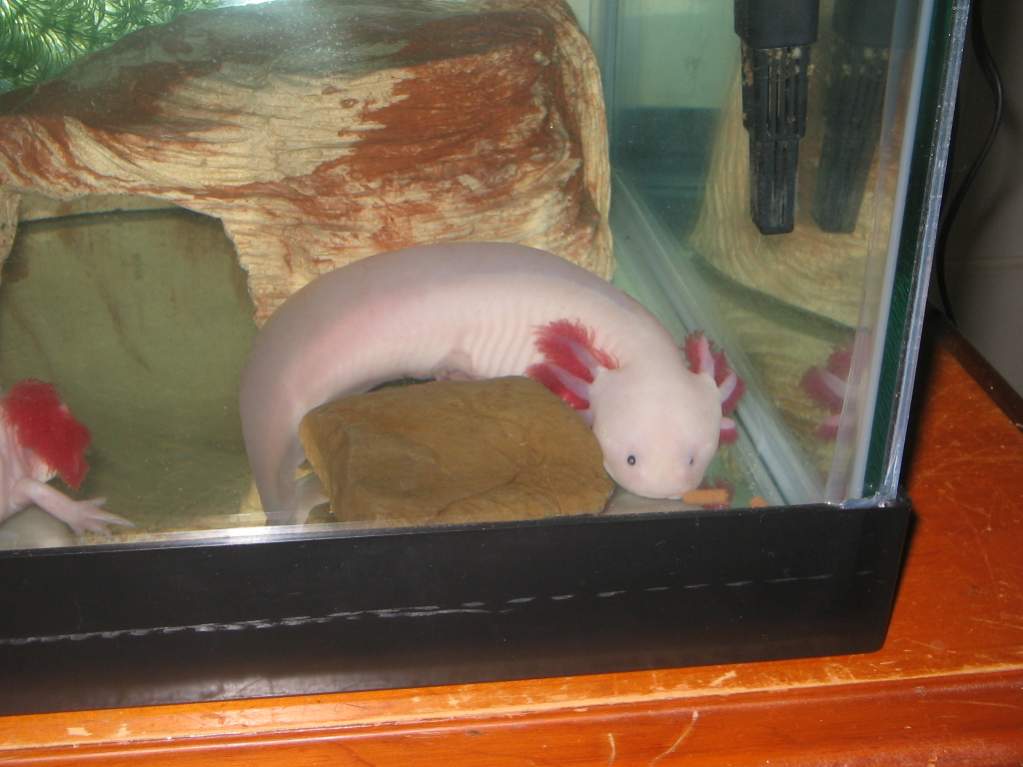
point(111, 626)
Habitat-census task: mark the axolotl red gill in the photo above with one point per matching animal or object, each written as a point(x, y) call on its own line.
point(39, 440)
point(484, 310)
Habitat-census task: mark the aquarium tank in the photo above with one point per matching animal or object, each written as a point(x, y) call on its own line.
point(454, 340)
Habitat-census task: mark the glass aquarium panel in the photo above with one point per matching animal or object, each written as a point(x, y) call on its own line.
point(758, 186)
point(171, 177)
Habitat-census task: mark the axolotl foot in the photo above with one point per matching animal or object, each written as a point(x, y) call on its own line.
point(84, 516)
point(829, 387)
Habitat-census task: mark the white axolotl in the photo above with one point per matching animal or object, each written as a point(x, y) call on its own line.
point(484, 310)
point(39, 440)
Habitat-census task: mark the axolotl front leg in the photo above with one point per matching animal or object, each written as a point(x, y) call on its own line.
point(81, 516)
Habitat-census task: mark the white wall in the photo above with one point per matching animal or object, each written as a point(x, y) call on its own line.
point(985, 248)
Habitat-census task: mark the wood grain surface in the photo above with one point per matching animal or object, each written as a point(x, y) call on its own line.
point(947, 688)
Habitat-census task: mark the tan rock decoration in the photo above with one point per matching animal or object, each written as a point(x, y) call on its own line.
point(323, 131)
point(447, 452)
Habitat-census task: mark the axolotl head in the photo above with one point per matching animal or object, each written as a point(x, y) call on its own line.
point(658, 433)
point(658, 419)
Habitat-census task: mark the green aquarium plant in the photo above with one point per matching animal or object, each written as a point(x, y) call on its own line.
point(39, 38)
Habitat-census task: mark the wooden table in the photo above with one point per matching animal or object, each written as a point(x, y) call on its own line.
point(946, 689)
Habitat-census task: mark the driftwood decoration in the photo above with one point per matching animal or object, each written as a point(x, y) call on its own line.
point(323, 131)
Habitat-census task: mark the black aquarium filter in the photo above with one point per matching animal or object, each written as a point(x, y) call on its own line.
point(855, 84)
point(776, 38)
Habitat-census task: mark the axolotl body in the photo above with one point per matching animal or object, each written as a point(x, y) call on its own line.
point(484, 310)
point(39, 440)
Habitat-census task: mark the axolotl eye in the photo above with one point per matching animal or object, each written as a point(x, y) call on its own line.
point(692, 460)
point(631, 460)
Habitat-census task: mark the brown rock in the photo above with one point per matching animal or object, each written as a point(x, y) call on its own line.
point(449, 452)
point(324, 131)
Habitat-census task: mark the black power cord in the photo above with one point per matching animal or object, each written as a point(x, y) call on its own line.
point(994, 80)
